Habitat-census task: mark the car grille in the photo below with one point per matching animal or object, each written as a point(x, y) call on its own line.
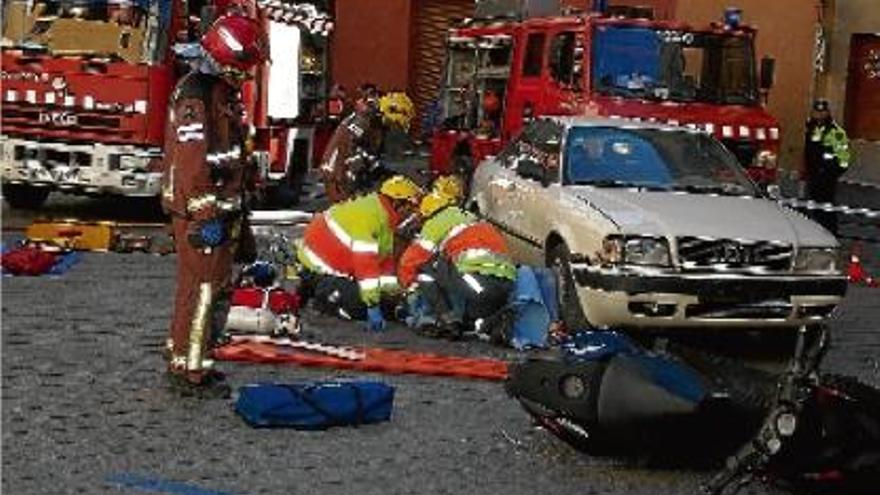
point(707, 254)
point(744, 151)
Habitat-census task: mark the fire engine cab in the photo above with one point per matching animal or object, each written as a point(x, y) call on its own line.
point(504, 68)
point(86, 85)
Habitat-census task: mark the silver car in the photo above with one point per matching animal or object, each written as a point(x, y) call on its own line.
point(655, 226)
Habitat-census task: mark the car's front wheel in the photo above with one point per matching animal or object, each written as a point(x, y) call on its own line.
point(559, 260)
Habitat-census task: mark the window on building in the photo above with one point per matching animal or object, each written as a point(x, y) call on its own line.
point(534, 59)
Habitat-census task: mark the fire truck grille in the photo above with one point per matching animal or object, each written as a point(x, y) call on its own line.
point(744, 151)
point(52, 157)
point(702, 254)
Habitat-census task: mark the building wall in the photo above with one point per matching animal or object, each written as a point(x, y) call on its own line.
point(786, 31)
point(371, 43)
point(848, 17)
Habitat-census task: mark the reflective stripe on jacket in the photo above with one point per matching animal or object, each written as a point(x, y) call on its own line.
point(354, 239)
point(472, 245)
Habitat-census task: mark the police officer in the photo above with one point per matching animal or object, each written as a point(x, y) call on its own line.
point(351, 162)
point(203, 185)
point(827, 156)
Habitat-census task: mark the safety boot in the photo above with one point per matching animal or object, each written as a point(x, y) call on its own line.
point(201, 385)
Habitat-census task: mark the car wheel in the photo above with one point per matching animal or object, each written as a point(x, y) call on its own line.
point(569, 306)
point(25, 197)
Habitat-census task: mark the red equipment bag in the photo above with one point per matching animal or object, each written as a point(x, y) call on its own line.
point(28, 260)
point(275, 299)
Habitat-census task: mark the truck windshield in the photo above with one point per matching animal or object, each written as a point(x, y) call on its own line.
point(652, 159)
point(132, 30)
point(686, 66)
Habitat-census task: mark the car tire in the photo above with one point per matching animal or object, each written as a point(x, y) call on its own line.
point(559, 260)
point(24, 197)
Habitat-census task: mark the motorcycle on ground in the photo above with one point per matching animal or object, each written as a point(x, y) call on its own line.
point(804, 430)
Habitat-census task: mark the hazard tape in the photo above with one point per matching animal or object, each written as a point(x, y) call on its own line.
point(829, 207)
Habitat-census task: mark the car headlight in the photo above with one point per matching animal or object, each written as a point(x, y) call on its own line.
point(818, 260)
point(648, 251)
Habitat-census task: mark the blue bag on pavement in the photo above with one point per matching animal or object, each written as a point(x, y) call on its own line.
point(315, 405)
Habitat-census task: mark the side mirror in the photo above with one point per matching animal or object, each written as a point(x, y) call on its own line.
point(768, 72)
point(774, 192)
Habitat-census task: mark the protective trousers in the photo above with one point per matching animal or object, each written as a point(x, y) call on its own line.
point(334, 296)
point(442, 285)
point(201, 300)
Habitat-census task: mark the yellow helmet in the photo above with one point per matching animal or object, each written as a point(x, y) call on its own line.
point(400, 187)
point(434, 202)
point(449, 185)
point(397, 109)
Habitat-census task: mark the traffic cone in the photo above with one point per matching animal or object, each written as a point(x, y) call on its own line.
point(855, 272)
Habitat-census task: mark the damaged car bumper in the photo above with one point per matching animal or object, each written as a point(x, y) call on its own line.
point(614, 296)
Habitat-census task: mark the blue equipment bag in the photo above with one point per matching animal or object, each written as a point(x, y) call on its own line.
point(316, 405)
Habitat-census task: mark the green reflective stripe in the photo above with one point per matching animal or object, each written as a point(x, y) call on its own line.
point(485, 262)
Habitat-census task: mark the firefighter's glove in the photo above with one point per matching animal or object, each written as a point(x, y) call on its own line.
point(375, 320)
point(212, 233)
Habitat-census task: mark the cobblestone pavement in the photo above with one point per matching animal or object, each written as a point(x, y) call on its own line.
point(85, 409)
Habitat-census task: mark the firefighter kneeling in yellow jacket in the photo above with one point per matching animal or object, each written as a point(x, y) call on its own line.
point(347, 252)
point(459, 264)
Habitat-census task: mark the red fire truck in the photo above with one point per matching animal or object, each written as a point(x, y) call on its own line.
point(501, 72)
point(86, 86)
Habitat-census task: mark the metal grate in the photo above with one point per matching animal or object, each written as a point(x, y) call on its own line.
point(701, 254)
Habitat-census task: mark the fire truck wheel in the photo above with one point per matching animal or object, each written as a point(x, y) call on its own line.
point(558, 259)
point(25, 197)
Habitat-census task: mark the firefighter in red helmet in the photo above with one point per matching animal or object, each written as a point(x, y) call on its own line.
point(203, 190)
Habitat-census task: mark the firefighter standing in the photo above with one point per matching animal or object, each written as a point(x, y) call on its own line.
point(203, 186)
point(347, 252)
point(827, 156)
point(351, 162)
point(457, 257)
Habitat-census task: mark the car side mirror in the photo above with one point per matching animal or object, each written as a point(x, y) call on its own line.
point(768, 72)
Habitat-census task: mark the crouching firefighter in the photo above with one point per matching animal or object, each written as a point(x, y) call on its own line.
point(352, 161)
point(203, 185)
point(347, 252)
point(459, 265)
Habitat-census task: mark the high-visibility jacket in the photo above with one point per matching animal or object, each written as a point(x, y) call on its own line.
point(835, 142)
point(354, 239)
point(472, 245)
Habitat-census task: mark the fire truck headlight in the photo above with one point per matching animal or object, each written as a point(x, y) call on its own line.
point(129, 162)
point(767, 159)
point(818, 260)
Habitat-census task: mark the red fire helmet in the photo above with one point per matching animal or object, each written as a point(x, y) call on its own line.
point(235, 41)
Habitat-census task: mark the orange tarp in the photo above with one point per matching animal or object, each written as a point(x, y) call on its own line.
point(375, 360)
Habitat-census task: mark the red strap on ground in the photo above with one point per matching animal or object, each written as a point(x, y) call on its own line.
point(375, 360)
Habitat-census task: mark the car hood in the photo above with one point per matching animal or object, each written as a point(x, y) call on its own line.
point(684, 214)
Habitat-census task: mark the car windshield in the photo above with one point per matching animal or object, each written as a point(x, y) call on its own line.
point(687, 66)
point(652, 159)
point(132, 30)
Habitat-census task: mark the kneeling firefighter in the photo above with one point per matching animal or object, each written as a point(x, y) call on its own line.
point(352, 160)
point(347, 252)
point(459, 264)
